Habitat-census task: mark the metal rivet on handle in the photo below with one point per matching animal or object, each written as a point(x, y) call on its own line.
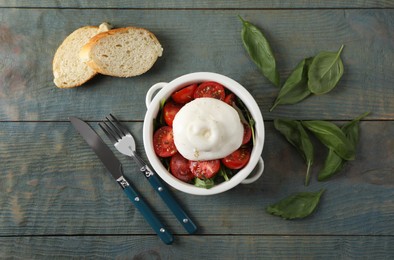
point(185, 220)
point(160, 189)
point(162, 230)
point(137, 199)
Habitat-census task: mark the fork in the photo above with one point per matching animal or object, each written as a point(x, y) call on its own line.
point(125, 144)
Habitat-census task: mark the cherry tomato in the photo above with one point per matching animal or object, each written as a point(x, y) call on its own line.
point(230, 99)
point(163, 142)
point(184, 95)
point(210, 89)
point(179, 167)
point(169, 110)
point(237, 159)
point(205, 169)
point(247, 134)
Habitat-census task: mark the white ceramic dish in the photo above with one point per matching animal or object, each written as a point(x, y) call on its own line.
point(250, 173)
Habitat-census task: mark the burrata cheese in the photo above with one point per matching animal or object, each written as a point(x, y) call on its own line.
point(207, 129)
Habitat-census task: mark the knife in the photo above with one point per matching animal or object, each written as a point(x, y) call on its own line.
point(114, 166)
point(126, 145)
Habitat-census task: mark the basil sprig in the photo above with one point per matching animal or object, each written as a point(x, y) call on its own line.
point(295, 134)
point(260, 51)
point(299, 205)
point(325, 72)
point(334, 163)
point(332, 137)
point(316, 75)
point(341, 142)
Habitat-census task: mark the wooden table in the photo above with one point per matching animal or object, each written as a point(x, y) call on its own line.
point(58, 201)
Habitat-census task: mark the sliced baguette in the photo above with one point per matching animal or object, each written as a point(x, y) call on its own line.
point(122, 52)
point(68, 70)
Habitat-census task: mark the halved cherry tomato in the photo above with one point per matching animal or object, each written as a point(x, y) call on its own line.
point(210, 89)
point(184, 95)
point(237, 159)
point(205, 169)
point(230, 99)
point(179, 167)
point(247, 134)
point(169, 110)
point(163, 142)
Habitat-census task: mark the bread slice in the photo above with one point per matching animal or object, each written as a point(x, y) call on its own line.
point(122, 52)
point(68, 70)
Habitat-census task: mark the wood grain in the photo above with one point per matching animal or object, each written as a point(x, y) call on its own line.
point(57, 200)
point(52, 184)
point(212, 247)
point(209, 4)
point(198, 40)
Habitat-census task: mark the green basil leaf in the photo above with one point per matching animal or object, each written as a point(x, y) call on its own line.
point(325, 72)
point(352, 129)
point(159, 120)
point(245, 111)
point(296, 135)
point(332, 137)
point(299, 205)
point(295, 88)
point(260, 51)
point(204, 183)
point(334, 163)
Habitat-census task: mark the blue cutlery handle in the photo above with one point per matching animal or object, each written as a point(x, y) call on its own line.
point(146, 211)
point(165, 194)
point(174, 206)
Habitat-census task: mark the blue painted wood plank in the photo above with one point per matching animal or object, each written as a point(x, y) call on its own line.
point(209, 4)
point(52, 183)
point(198, 40)
point(215, 247)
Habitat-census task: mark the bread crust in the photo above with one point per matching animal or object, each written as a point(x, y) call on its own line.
point(86, 50)
point(59, 69)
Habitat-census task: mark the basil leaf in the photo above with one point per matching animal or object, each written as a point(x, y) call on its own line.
point(159, 120)
point(223, 172)
point(295, 88)
point(332, 137)
point(325, 72)
point(250, 120)
point(260, 51)
point(352, 129)
point(299, 205)
point(204, 183)
point(334, 163)
point(295, 134)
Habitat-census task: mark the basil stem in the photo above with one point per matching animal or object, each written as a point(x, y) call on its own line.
point(332, 137)
point(325, 72)
point(260, 51)
point(299, 205)
point(295, 88)
point(334, 163)
point(296, 135)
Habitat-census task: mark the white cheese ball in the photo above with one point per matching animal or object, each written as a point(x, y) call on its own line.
point(207, 129)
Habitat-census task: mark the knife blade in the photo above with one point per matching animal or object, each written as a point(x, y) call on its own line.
point(114, 166)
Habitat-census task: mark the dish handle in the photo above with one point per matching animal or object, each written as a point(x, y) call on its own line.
point(152, 91)
point(259, 171)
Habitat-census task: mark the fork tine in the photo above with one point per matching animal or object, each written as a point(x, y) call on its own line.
point(114, 129)
point(108, 132)
point(119, 125)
